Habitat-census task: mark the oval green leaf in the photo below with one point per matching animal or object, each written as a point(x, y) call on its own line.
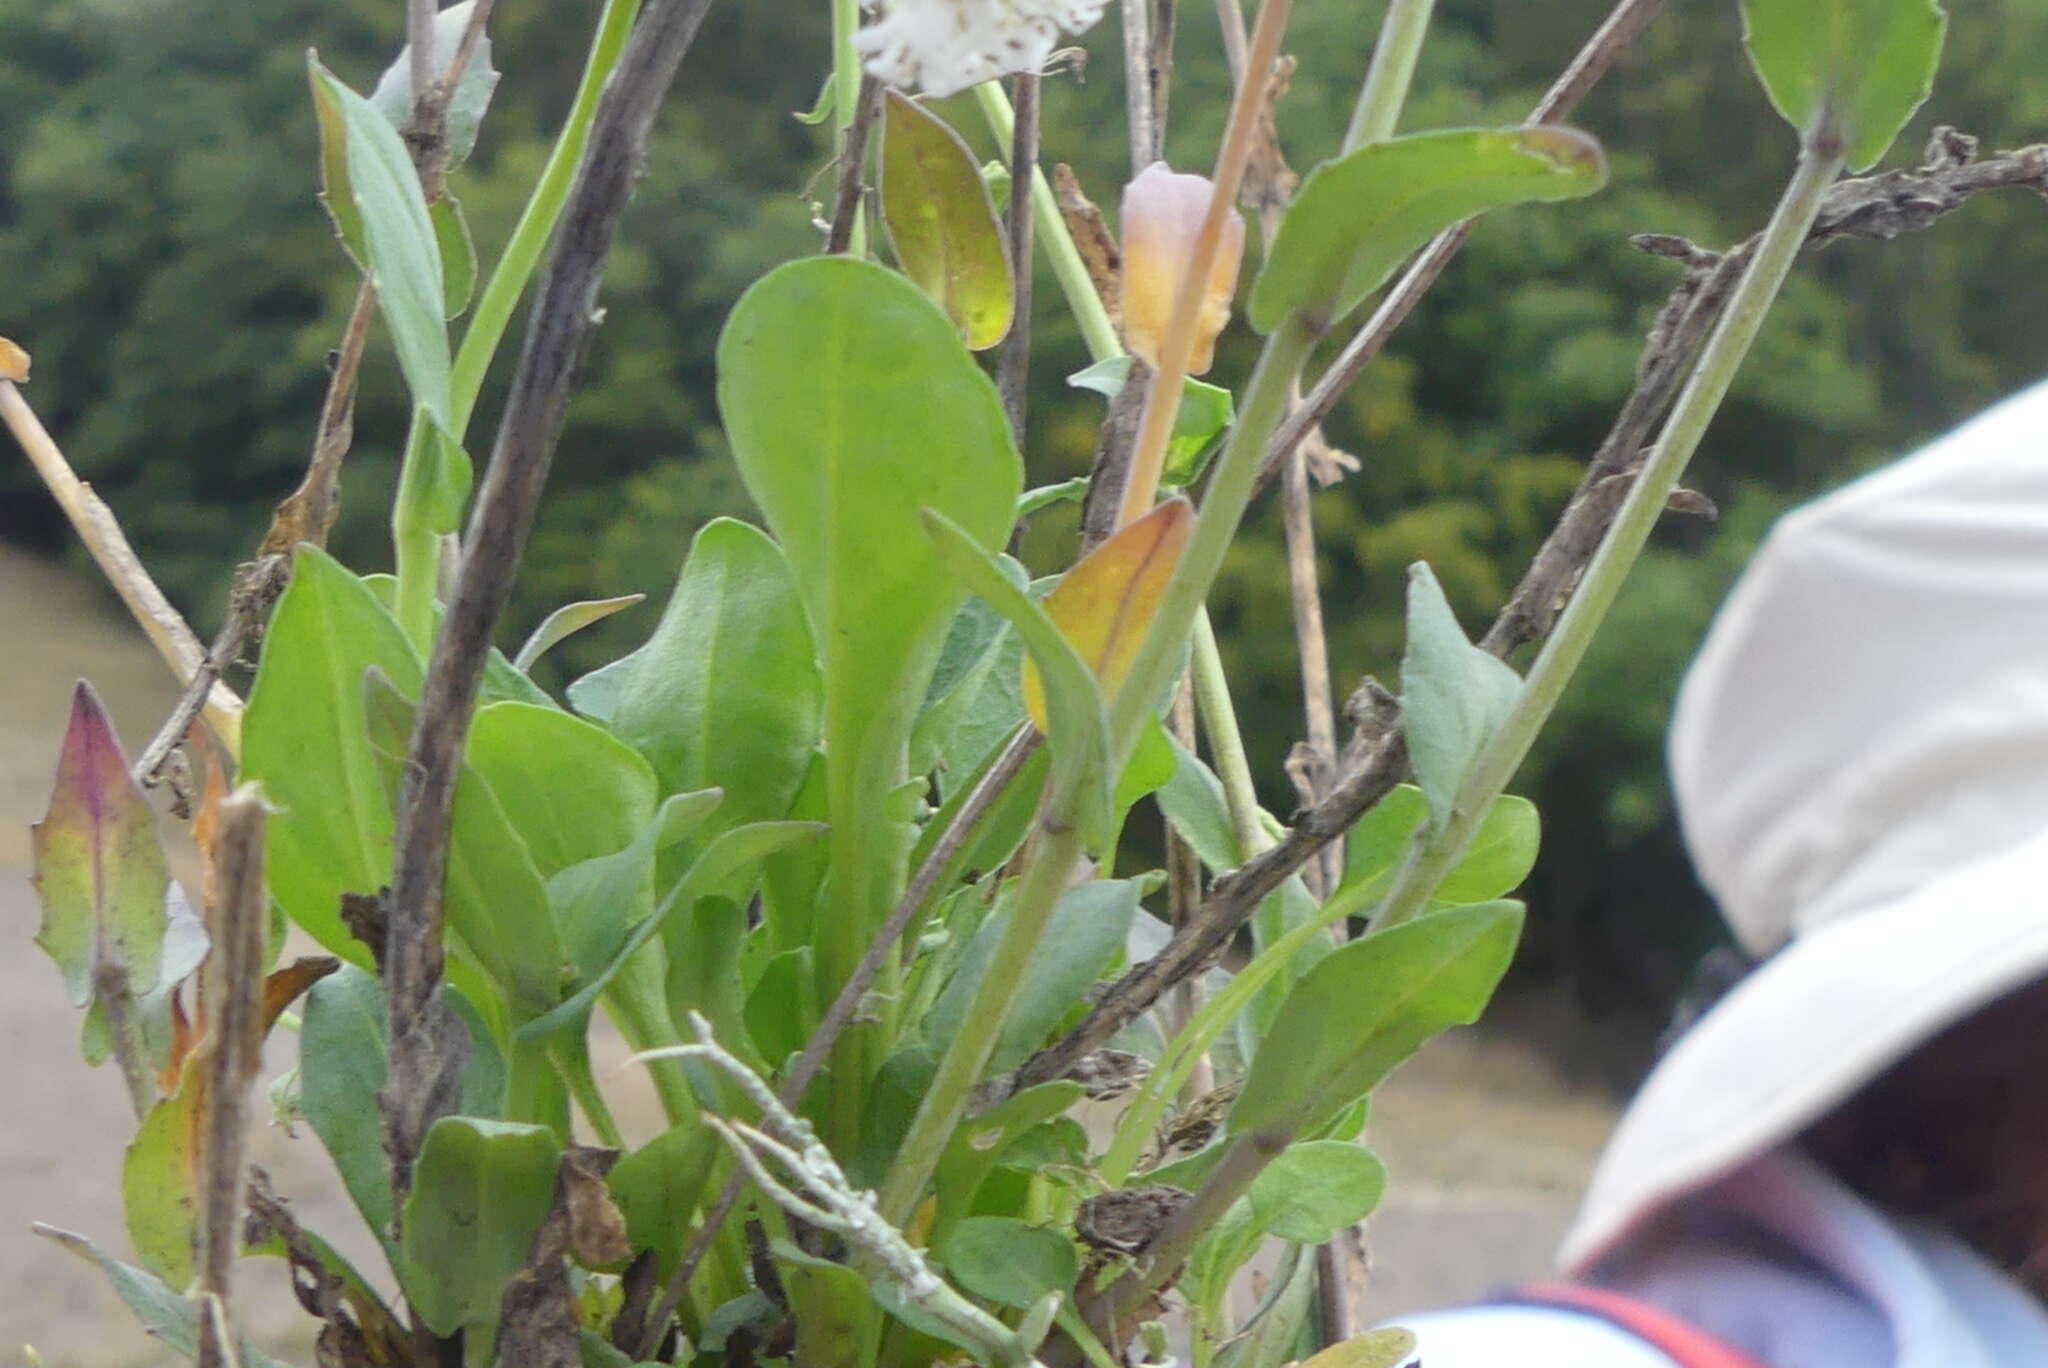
point(943, 224)
point(1454, 696)
point(1845, 72)
point(850, 403)
point(402, 251)
point(1368, 1006)
point(304, 737)
point(1010, 1262)
point(1358, 217)
point(726, 693)
point(479, 1194)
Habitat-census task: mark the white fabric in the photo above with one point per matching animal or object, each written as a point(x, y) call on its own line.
point(1526, 1337)
point(1779, 1260)
point(1860, 754)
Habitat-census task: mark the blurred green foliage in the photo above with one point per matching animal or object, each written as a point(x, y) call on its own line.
point(162, 256)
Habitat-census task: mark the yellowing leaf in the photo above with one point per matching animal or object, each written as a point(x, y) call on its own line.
point(1386, 1348)
point(13, 362)
point(98, 866)
point(1105, 603)
point(943, 224)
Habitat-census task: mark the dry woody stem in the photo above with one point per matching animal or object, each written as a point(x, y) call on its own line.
point(427, 1043)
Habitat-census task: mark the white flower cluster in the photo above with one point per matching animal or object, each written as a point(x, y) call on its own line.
point(940, 47)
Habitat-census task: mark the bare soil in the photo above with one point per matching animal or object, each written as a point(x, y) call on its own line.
point(1487, 1144)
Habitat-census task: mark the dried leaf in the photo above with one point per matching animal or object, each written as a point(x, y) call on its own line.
point(13, 362)
point(1106, 602)
point(1092, 238)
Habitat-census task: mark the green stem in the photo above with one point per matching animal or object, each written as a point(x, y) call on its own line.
point(416, 541)
point(1393, 67)
point(534, 1093)
point(967, 1055)
point(573, 1060)
point(1230, 491)
point(1561, 654)
point(537, 222)
point(1097, 331)
point(1226, 742)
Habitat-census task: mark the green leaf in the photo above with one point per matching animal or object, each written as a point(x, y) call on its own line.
point(1205, 410)
point(1367, 1007)
point(480, 1192)
point(335, 195)
point(162, 1312)
point(850, 404)
point(1087, 932)
point(1358, 217)
point(1380, 840)
point(304, 737)
point(977, 1147)
point(976, 699)
point(598, 901)
point(1045, 496)
point(942, 223)
point(160, 1181)
point(726, 693)
point(1316, 1189)
point(1845, 71)
point(781, 1013)
point(732, 851)
point(341, 1071)
point(496, 899)
point(659, 1185)
point(832, 1306)
point(1193, 802)
point(393, 96)
point(1272, 1336)
point(458, 253)
point(1453, 695)
point(1010, 1262)
point(1079, 727)
point(570, 789)
point(568, 620)
point(1153, 764)
point(403, 253)
point(99, 871)
point(1500, 855)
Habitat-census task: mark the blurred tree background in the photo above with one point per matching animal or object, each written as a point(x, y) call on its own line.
point(162, 256)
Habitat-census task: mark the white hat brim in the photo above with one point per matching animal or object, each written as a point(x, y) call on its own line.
point(1810, 1026)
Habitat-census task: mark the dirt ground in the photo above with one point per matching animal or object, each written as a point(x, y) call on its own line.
point(1486, 1144)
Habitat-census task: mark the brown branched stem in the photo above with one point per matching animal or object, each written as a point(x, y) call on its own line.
point(254, 590)
point(1877, 207)
point(1148, 66)
point(851, 190)
point(938, 869)
point(1013, 362)
point(426, 1041)
point(231, 988)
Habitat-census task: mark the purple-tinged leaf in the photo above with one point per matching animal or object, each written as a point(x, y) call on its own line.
point(98, 867)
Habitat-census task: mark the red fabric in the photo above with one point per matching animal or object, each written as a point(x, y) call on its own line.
point(1690, 1348)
